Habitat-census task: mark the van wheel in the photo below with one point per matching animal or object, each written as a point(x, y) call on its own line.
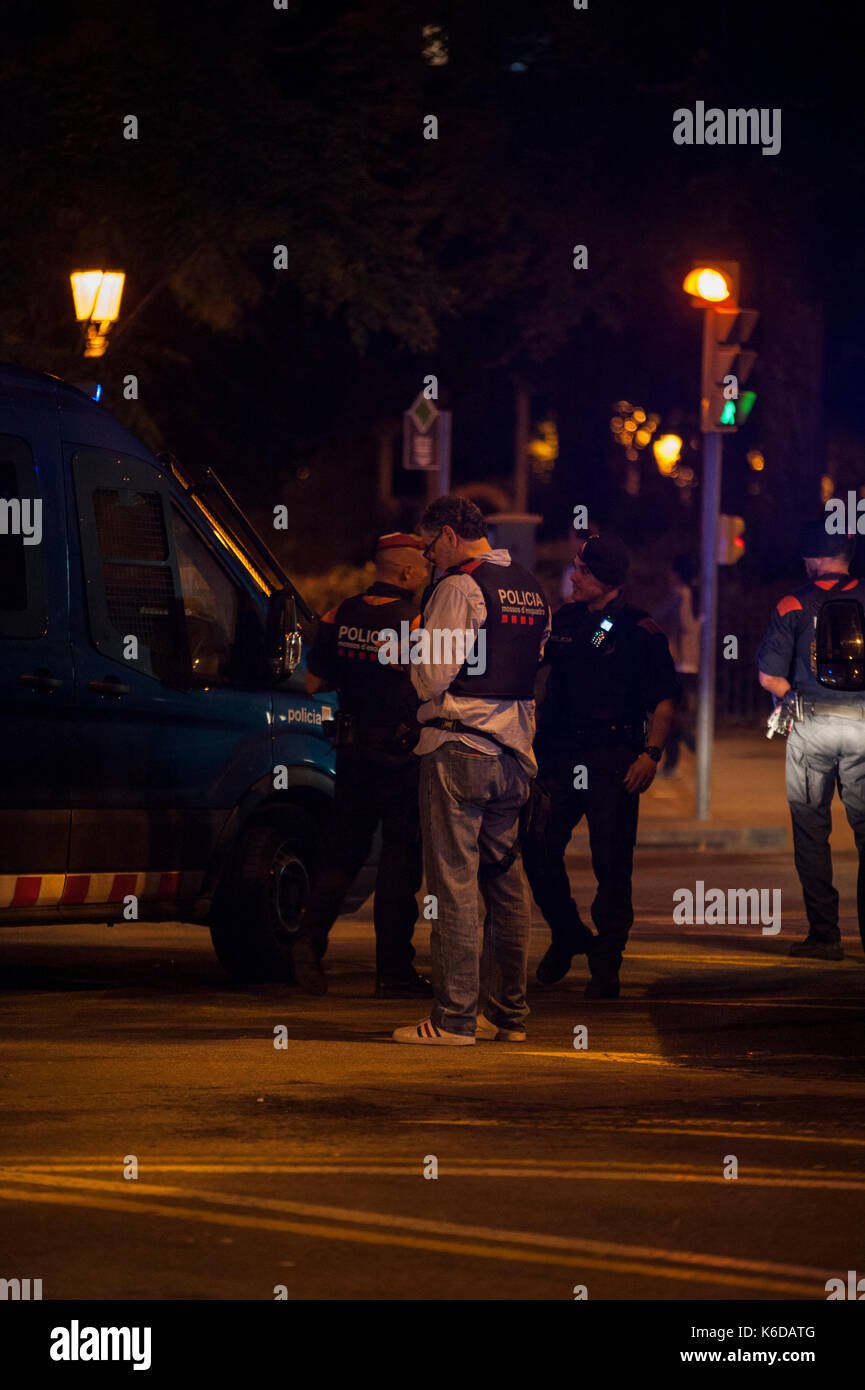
point(256, 916)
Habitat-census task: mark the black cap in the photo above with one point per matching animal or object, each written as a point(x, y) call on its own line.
point(607, 559)
point(815, 541)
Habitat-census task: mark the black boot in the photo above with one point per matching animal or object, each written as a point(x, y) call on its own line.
point(603, 986)
point(564, 946)
point(308, 971)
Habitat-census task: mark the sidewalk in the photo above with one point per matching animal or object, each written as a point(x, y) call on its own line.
point(749, 806)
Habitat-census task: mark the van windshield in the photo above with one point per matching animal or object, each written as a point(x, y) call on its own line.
point(235, 530)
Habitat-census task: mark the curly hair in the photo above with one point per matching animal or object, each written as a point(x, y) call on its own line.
point(465, 519)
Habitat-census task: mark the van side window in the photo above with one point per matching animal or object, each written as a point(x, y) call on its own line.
point(210, 607)
point(130, 568)
point(22, 580)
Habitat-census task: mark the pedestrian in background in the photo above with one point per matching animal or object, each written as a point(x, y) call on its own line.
point(681, 627)
point(826, 746)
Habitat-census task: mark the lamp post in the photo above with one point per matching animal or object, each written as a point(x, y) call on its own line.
point(97, 295)
point(709, 286)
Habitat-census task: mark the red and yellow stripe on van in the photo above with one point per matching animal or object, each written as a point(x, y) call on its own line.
point(73, 890)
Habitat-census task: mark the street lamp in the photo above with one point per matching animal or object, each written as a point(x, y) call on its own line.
point(726, 327)
point(97, 295)
point(709, 284)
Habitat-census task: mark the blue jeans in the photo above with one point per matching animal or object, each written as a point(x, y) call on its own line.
point(469, 811)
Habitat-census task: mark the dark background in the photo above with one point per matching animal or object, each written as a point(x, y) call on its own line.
point(304, 127)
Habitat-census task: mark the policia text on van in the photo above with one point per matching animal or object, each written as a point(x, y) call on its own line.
point(162, 758)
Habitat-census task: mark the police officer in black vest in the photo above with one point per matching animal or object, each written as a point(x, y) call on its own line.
point(610, 670)
point(826, 743)
point(376, 771)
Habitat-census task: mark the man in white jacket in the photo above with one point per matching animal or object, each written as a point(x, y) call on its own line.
point(477, 727)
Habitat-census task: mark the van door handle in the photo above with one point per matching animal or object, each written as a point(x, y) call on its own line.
point(40, 680)
point(110, 686)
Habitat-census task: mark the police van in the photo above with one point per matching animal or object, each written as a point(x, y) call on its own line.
point(160, 756)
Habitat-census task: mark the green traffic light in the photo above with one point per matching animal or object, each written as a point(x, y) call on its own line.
point(736, 412)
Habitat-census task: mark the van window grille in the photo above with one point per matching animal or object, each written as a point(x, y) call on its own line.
point(141, 601)
point(130, 525)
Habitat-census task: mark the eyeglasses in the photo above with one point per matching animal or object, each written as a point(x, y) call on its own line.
point(432, 545)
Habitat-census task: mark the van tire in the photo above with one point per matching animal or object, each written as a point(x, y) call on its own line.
point(255, 918)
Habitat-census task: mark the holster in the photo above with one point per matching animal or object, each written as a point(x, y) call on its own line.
point(535, 815)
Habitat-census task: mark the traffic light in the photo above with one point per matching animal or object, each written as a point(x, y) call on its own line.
point(724, 406)
point(731, 546)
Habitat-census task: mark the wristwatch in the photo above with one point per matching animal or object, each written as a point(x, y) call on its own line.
point(654, 753)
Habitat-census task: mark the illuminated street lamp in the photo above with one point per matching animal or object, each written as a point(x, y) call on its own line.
point(725, 367)
point(97, 296)
point(667, 451)
point(709, 284)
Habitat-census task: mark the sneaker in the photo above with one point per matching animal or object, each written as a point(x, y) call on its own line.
point(602, 987)
point(413, 986)
point(427, 1032)
point(486, 1031)
point(308, 971)
point(817, 949)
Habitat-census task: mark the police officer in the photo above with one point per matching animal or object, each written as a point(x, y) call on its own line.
point(376, 771)
point(610, 668)
point(828, 744)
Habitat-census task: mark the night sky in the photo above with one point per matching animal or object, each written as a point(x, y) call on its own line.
point(304, 126)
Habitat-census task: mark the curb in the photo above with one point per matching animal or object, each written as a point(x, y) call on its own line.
point(706, 836)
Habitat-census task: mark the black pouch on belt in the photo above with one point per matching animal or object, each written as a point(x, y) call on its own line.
point(535, 815)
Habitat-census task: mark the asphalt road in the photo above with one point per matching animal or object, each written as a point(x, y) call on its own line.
point(303, 1167)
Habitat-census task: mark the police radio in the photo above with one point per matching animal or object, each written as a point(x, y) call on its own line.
point(601, 632)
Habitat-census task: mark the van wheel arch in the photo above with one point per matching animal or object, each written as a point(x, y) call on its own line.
point(256, 911)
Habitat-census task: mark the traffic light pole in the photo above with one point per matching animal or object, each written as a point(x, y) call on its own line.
point(708, 630)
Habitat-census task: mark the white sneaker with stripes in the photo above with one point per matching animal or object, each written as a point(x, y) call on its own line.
point(427, 1032)
point(491, 1032)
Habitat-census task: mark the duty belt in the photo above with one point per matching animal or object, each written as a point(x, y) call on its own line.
point(599, 728)
point(839, 711)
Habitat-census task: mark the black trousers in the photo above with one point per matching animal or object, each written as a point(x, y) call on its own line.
point(612, 815)
point(372, 789)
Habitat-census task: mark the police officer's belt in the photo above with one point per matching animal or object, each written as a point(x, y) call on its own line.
point(599, 728)
point(839, 710)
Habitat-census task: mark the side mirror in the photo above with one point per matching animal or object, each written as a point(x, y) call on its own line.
point(841, 645)
point(294, 644)
point(284, 642)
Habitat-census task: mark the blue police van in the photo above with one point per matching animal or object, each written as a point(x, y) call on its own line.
point(161, 758)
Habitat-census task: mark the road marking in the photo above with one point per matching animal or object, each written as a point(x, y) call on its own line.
point(755, 1003)
point(480, 1168)
point(687, 1061)
point(580, 1252)
point(639, 1058)
point(740, 1134)
point(744, 959)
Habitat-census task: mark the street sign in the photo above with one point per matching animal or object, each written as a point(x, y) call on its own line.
point(423, 413)
point(426, 449)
